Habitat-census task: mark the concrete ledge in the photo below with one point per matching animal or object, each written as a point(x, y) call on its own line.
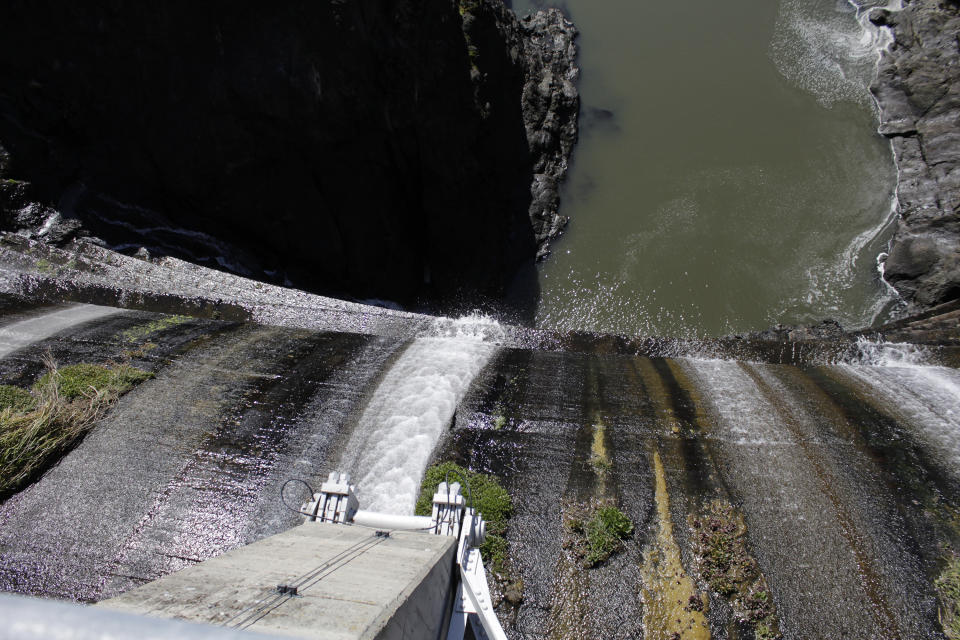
point(351, 584)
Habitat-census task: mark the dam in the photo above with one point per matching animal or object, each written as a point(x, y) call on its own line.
point(246, 250)
point(769, 496)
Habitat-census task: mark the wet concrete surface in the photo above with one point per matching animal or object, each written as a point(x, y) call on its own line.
point(21, 333)
point(847, 490)
point(799, 537)
point(144, 340)
point(187, 465)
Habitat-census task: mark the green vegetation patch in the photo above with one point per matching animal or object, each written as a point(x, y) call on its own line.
point(16, 399)
point(727, 566)
point(598, 529)
point(66, 404)
point(948, 590)
point(141, 331)
point(489, 498)
point(90, 379)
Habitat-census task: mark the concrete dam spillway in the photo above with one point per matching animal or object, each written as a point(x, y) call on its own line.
point(841, 477)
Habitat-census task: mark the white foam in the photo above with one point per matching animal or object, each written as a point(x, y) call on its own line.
point(878, 353)
point(411, 408)
point(830, 52)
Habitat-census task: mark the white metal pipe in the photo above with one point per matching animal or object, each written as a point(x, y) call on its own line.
point(391, 521)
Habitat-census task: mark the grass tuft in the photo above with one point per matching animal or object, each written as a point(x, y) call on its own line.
point(599, 529)
point(67, 403)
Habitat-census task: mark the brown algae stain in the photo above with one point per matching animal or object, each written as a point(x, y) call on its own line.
point(673, 608)
point(569, 608)
point(600, 454)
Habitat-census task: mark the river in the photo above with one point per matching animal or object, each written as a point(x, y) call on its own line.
point(728, 175)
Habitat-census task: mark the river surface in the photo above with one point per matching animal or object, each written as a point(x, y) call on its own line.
point(728, 176)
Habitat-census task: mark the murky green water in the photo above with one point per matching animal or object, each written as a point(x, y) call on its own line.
point(728, 176)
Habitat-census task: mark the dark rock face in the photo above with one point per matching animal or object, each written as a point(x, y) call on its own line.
point(400, 149)
point(918, 90)
point(19, 211)
point(550, 107)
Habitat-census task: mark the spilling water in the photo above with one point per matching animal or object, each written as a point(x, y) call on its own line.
point(928, 397)
point(411, 408)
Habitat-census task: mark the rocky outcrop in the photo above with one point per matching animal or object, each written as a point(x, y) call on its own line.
point(20, 211)
point(401, 149)
point(550, 107)
point(918, 91)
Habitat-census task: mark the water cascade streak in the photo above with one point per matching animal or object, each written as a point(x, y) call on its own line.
point(923, 396)
point(804, 432)
point(793, 524)
point(411, 407)
point(880, 523)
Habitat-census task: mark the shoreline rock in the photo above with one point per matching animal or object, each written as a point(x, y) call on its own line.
point(551, 104)
point(543, 44)
point(918, 91)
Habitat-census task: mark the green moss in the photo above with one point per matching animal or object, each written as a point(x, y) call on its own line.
point(141, 331)
point(16, 399)
point(43, 266)
point(489, 498)
point(494, 551)
point(86, 379)
point(605, 533)
point(948, 589)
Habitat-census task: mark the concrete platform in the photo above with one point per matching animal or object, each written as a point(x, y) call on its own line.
point(350, 583)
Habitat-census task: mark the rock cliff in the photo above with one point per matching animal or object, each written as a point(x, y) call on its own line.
point(918, 91)
point(401, 149)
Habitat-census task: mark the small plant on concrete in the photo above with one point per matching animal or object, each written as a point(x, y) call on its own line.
point(725, 563)
point(598, 529)
point(85, 379)
point(948, 589)
point(606, 532)
point(67, 403)
point(489, 498)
